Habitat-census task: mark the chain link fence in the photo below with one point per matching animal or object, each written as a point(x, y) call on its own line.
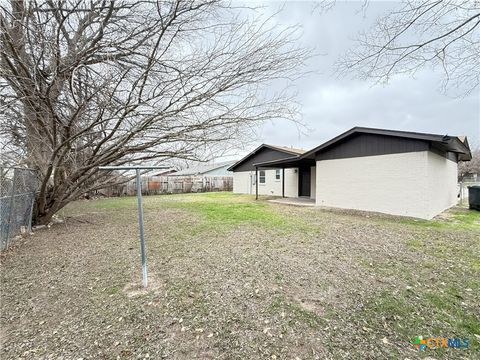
point(157, 185)
point(463, 189)
point(17, 197)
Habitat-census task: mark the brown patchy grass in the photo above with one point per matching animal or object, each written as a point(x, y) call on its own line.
point(233, 278)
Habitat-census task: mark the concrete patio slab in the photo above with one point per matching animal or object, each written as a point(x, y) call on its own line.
point(302, 201)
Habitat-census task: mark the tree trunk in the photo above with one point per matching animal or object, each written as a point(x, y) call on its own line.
point(43, 216)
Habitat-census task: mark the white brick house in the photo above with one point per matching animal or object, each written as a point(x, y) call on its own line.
point(273, 182)
point(392, 172)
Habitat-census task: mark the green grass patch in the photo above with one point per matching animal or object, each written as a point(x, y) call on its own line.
point(455, 218)
point(232, 213)
point(295, 314)
point(113, 290)
point(447, 307)
point(220, 211)
point(427, 313)
point(440, 293)
point(415, 244)
point(424, 223)
point(221, 207)
point(467, 218)
point(475, 265)
point(392, 305)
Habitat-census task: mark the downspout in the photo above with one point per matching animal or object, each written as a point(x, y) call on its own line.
point(283, 182)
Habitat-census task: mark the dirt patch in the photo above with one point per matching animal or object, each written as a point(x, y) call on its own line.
point(285, 283)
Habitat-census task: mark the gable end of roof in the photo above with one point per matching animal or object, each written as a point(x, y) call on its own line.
point(461, 147)
point(283, 149)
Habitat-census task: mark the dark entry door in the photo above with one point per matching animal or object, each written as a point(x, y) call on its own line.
point(304, 182)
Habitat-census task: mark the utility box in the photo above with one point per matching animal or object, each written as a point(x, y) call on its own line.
point(474, 197)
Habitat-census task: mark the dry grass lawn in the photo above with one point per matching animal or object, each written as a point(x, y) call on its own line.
point(232, 278)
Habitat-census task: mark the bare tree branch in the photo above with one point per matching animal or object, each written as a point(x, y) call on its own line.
point(92, 83)
point(434, 33)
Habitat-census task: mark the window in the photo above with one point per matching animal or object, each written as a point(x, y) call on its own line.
point(261, 177)
point(277, 175)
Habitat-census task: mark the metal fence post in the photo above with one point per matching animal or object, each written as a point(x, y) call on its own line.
point(140, 225)
point(30, 216)
point(461, 193)
point(11, 208)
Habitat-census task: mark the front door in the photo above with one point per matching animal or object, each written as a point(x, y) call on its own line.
point(304, 182)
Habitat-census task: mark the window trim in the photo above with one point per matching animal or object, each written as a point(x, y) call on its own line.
point(278, 172)
point(260, 176)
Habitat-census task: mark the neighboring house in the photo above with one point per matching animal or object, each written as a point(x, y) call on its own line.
point(470, 172)
point(471, 178)
point(166, 172)
point(393, 172)
point(218, 169)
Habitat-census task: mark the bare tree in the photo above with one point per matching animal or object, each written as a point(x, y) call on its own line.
point(92, 83)
point(471, 167)
point(436, 33)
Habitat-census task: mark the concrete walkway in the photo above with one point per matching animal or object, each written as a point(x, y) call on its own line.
point(302, 201)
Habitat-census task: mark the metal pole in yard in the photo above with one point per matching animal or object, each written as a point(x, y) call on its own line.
point(140, 209)
point(461, 193)
point(256, 182)
point(140, 225)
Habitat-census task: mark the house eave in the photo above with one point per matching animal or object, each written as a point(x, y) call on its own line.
point(250, 154)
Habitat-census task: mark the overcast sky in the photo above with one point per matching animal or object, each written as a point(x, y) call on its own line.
point(331, 105)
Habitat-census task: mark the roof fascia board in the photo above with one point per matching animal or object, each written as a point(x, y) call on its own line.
point(281, 161)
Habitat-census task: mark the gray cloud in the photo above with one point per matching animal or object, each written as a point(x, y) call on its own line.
point(331, 105)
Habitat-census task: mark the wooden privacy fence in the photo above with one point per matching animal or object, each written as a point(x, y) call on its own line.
point(156, 185)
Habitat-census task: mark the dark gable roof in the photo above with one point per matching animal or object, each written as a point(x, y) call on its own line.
point(445, 143)
point(283, 149)
point(288, 150)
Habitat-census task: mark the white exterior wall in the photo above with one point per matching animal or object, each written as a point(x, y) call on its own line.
point(243, 184)
point(417, 184)
point(291, 183)
point(313, 182)
point(442, 187)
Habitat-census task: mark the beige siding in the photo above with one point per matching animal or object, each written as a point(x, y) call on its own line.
point(242, 183)
point(395, 184)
